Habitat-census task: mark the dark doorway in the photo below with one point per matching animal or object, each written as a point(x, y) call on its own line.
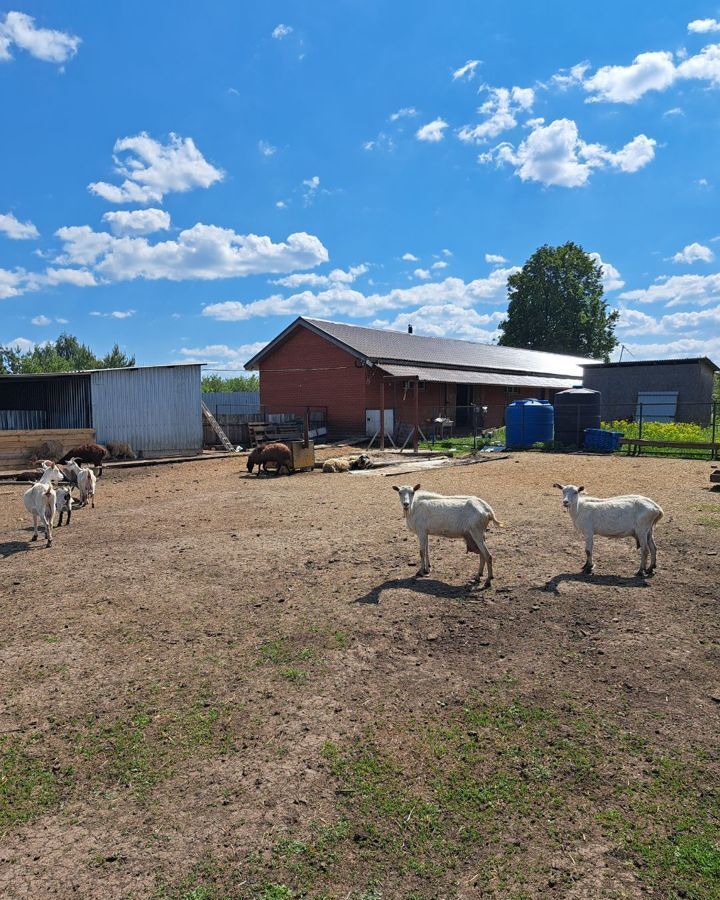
point(463, 399)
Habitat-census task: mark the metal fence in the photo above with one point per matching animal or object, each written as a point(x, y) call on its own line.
point(645, 429)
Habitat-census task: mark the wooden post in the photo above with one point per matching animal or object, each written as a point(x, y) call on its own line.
point(306, 428)
point(417, 415)
point(713, 455)
point(382, 413)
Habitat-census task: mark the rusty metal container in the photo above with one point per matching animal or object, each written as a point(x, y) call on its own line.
point(302, 457)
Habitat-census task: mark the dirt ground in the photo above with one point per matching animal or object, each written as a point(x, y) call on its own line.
point(217, 685)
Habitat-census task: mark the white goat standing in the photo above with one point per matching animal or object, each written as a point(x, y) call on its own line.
point(39, 501)
point(626, 516)
point(64, 504)
point(452, 517)
point(51, 473)
point(86, 480)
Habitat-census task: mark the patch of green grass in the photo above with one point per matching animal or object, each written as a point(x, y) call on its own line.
point(710, 523)
point(275, 652)
point(28, 784)
point(276, 892)
point(341, 639)
point(293, 674)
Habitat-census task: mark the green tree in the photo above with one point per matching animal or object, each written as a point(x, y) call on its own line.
point(556, 304)
point(66, 354)
point(239, 383)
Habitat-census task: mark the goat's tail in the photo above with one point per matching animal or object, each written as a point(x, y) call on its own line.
point(496, 521)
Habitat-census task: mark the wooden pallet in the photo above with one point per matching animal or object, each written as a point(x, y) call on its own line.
point(262, 433)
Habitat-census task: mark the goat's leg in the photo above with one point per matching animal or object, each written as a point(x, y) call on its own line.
point(92, 501)
point(48, 530)
point(35, 528)
point(424, 555)
point(653, 553)
point(589, 564)
point(485, 556)
point(644, 553)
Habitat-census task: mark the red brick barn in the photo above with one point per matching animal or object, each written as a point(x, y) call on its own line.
point(353, 371)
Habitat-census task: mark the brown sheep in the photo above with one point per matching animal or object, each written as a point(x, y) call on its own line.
point(277, 454)
point(120, 450)
point(87, 453)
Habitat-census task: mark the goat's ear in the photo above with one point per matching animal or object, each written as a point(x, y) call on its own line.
point(417, 487)
point(396, 488)
point(555, 484)
point(581, 488)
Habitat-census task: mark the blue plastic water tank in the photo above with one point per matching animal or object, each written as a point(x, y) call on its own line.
point(529, 422)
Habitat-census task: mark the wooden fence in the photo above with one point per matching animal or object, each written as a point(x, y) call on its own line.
point(18, 447)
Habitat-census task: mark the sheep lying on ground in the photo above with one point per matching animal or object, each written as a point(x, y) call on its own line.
point(347, 463)
point(48, 450)
point(277, 455)
point(87, 453)
point(452, 517)
point(626, 516)
point(120, 450)
point(39, 501)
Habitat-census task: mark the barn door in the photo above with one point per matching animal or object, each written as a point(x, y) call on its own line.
point(372, 421)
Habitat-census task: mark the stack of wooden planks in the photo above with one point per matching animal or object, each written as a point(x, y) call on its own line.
point(18, 447)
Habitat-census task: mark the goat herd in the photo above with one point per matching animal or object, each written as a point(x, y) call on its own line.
point(46, 496)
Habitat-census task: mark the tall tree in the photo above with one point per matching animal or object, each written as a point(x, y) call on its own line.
point(66, 354)
point(239, 383)
point(556, 304)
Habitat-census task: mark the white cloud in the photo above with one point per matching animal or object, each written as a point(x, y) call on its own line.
point(500, 110)
point(281, 204)
point(705, 66)
point(555, 154)
point(466, 72)
point(675, 111)
point(18, 281)
point(337, 276)
point(495, 259)
point(448, 319)
point(407, 112)
point(694, 253)
point(611, 278)
point(40, 320)
point(695, 326)
point(266, 148)
point(567, 78)
point(19, 30)
point(423, 274)
point(21, 344)
point(409, 257)
point(653, 71)
point(152, 170)
point(115, 314)
point(446, 252)
point(678, 290)
point(342, 300)
point(221, 356)
point(440, 264)
point(76, 277)
point(432, 132)
point(16, 230)
point(137, 221)
point(203, 252)
point(282, 31)
point(703, 26)
point(310, 189)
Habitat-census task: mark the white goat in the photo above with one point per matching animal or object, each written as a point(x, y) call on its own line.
point(86, 481)
point(39, 501)
point(51, 473)
point(452, 517)
point(626, 516)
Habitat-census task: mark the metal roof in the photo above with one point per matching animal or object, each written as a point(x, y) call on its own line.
point(466, 376)
point(378, 346)
point(91, 371)
point(686, 360)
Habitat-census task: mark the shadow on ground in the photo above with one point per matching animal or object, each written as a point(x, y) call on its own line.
point(420, 585)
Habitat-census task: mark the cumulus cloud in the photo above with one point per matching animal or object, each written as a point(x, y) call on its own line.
point(19, 30)
point(440, 264)
point(15, 282)
point(567, 78)
point(310, 188)
point(353, 303)
point(432, 132)
point(16, 230)
point(21, 344)
point(704, 66)
point(678, 290)
point(694, 253)
point(653, 71)
point(266, 148)
point(703, 26)
point(409, 257)
point(466, 72)
point(40, 320)
point(337, 276)
point(611, 279)
point(282, 31)
point(422, 274)
point(495, 259)
point(500, 110)
point(203, 252)
point(151, 170)
point(221, 356)
point(137, 221)
point(115, 314)
point(407, 112)
point(694, 326)
point(554, 154)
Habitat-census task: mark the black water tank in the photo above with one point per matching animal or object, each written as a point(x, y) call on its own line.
point(575, 410)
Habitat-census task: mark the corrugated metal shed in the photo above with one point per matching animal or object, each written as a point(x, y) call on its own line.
point(38, 401)
point(156, 409)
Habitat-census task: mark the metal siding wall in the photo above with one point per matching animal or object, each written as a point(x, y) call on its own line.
point(156, 410)
point(232, 402)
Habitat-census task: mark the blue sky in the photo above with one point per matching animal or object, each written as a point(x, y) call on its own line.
point(186, 178)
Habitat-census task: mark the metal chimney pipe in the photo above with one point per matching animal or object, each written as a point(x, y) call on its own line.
point(410, 331)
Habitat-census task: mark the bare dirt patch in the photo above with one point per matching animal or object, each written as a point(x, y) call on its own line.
point(217, 685)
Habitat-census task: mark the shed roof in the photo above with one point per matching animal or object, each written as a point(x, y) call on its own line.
point(378, 346)
point(468, 376)
point(28, 376)
point(688, 360)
